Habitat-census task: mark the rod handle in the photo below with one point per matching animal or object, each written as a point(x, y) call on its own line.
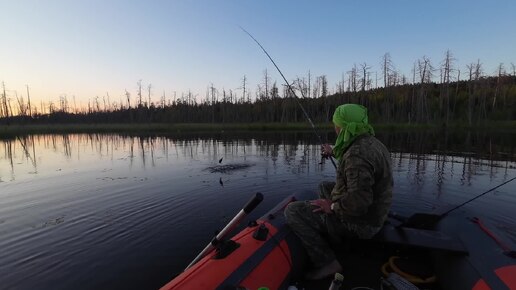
point(253, 203)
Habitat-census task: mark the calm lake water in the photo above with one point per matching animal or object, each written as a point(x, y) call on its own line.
point(130, 212)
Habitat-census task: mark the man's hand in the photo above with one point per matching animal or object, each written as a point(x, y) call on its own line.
point(323, 205)
point(327, 151)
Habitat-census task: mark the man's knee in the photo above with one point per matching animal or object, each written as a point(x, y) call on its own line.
point(291, 211)
point(325, 189)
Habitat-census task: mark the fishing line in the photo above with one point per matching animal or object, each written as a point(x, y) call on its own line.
point(292, 91)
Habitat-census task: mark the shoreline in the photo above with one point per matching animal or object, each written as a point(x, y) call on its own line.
point(17, 130)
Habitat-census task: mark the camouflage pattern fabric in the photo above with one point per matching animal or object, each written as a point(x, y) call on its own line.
point(362, 197)
point(363, 191)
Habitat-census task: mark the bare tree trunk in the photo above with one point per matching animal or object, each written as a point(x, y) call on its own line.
point(364, 75)
point(139, 93)
point(149, 90)
point(212, 92)
point(21, 104)
point(108, 102)
point(425, 73)
point(28, 101)
point(386, 68)
point(4, 100)
point(447, 67)
point(498, 84)
point(470, 94)
point(482, 102)
point(309, 83)
point(244, 84)
point(223, 104)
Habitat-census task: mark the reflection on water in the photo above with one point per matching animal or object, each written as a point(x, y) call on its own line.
point(109, 211)
point(465, 158)
point(41, 154)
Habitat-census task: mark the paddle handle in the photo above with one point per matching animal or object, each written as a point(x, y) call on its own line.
point(253, 203)
point(250, 206)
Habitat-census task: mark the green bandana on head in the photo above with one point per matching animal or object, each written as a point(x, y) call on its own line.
point(352, 119)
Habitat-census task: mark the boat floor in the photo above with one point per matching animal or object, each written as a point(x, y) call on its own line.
point(362, 263)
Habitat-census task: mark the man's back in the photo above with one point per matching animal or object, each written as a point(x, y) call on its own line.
point(364, 182)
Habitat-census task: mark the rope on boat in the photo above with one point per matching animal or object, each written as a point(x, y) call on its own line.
point(391, 265)
point(506, 249)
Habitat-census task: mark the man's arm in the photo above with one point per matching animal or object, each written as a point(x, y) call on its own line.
point(353, 194)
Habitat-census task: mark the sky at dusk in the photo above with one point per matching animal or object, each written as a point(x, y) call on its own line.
point(91, 48)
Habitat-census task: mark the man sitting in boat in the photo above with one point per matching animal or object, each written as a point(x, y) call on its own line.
point(357, 204)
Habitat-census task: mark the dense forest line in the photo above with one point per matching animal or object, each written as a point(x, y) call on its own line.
point(473, 100)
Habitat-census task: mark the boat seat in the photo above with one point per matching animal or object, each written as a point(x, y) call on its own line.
point(419, 238)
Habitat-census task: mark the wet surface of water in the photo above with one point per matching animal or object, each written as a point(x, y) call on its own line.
point(113, 212)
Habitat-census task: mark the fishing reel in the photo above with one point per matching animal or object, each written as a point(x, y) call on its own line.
point(325, 155)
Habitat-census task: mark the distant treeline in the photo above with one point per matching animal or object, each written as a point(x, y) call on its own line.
point(469, 102)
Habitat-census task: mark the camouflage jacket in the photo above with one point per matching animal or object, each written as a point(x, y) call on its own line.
point(363, 191)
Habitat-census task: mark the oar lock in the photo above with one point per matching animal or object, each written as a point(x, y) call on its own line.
point(224, 248)
point(261, 233)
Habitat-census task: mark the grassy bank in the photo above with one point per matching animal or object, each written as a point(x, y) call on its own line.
point(16, 130)
point(6, 130)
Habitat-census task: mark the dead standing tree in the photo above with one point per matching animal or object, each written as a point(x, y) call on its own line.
point(214, 99)
point(149, 87)
point(244, 87)
point(425, 70)
point(150, 107)
point(476, 102)
point(139, 84)
point(341, 86)
point(22, 108)
point(499, 80)
point(140, 105)
point(387, 69)
point(275, 101)
point(309, 84)
point(270, 110)
point(352, 82)
point(444, 94)
point(128, 99)
point(304, 86)
point(28, 101)
point(324, 95)
point(4, 104)
point(363, 82)
point(479, 92)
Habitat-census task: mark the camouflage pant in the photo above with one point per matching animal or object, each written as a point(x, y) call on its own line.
point(316, 230)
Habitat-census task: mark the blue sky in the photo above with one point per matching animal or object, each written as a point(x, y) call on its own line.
point(90, 48)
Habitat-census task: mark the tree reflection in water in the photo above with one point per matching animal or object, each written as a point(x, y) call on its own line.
point(458, 152)
point(134, 192)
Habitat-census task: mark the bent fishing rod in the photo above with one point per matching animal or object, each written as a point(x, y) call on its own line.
point(292, 91)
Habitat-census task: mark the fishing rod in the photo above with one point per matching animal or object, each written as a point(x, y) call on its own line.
point(425, 219)
point(478, 196)
point(292, 91)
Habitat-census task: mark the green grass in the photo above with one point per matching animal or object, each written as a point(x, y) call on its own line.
point(16, 130)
